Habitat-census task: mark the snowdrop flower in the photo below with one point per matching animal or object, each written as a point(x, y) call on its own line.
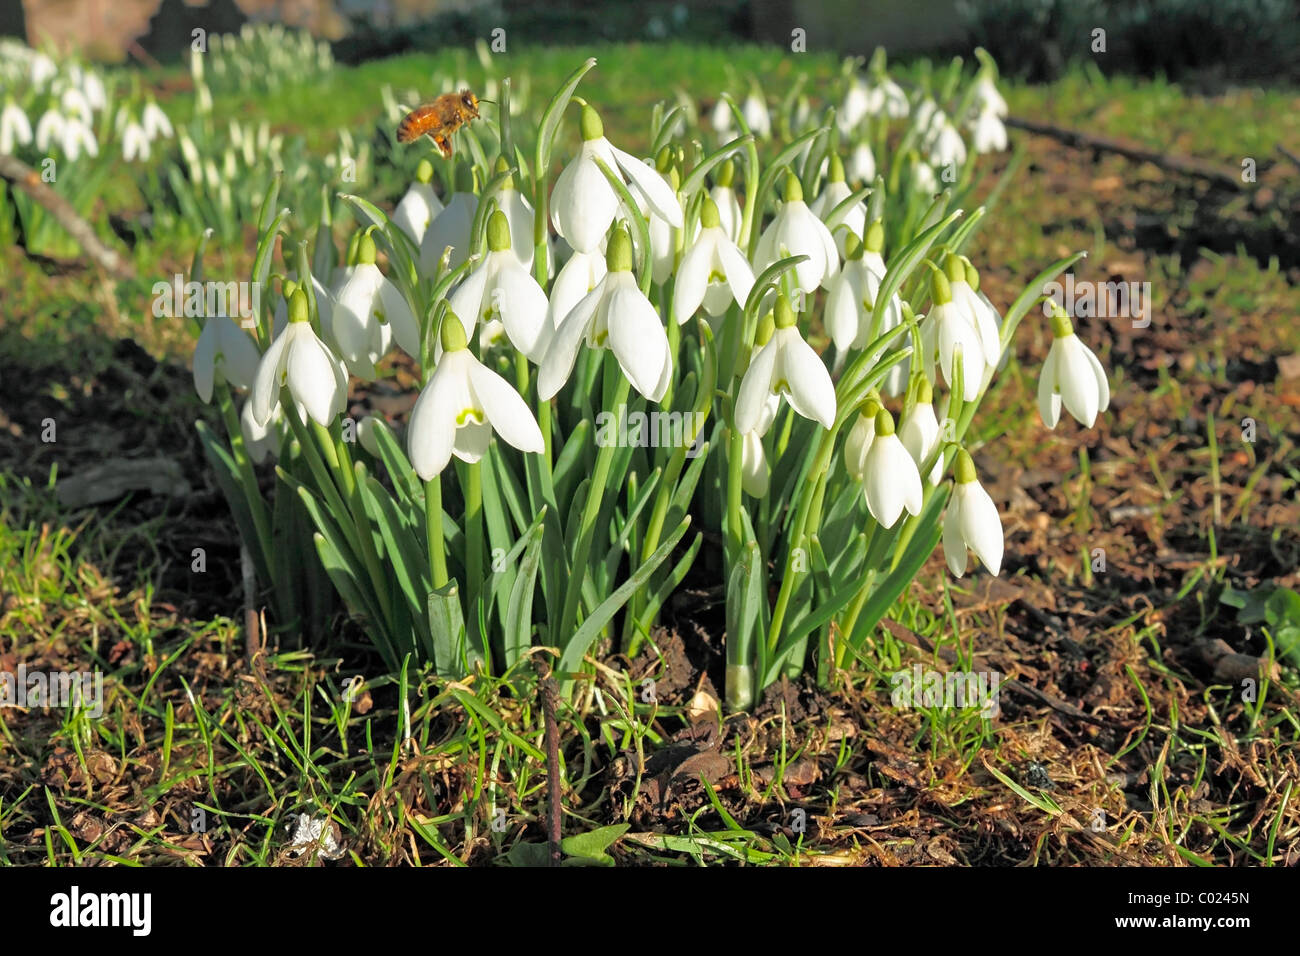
point(833, 193)
point(852, 299)
point(796, 231)
point(663, 243)
point(461, 405)
point(945, 142)
point(919, 432)
point(987, 97)
point(41, 69)
point(364, 304)
point(519, 214)
point(155, 121)
point(500, 287)
point(451, 227)
point(76, 137)
point(756, 115)
point(981, 315)
point(300, 360)
point(947, 329)
point(988, 135)
point(49, 129)
point(721, 119)
point(135, 142)
point(1071, 376)
point(260, 441)
point(755, 475)
point(713, 271)
point(855, 108)
point(862, 164)
point(617, 316)
point(890, 479)
point(724, 197)
point(92, 87)
point(887, 97)
point(224, 352)
point(971, 522)
point(15, 129)
point(859, 439)
point(419, 206)
point(786, 366)
point(923, 179)
point(583, 203)
point(580, 275)
point(75, 105)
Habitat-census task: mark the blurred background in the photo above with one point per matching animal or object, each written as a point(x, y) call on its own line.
point(1038, 39)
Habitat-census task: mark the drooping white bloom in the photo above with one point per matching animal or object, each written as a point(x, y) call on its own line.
point(887, 97)
point(224, 351)
point(861, 167)
point(713, 271)
point(41, 69)
point(756, 115)
point(519, 214)
point(15, 129)
point(260, 441)
point(987, 98)
point(858, 442)
point(729, 212)
point(135, 142)
point(299, 359)
point(366, 302)
point(796, 231)
point(855, 108)
point(77, 136)
point(450, 227)
point(617, 316)
point(49, 129)
point(155, 121)
point(890, 479)
point(786, 366)
point(971, 522)
point(1072, 376)
point(981, 315)
point(919, 431)
point(583, 203)
point(579, 275)
point(461, 405)
point(755, 476)
point(75, 105)
point(946, 329)
point(501, 288)
point(419, 206)
point(851, 301)
point(832, 195)
point(721, 119)
point(988, 134)
point(944, 142)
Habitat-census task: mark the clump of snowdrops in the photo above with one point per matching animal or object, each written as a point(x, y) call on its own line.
point(619, 382)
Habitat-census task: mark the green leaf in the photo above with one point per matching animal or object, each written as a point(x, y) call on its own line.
point(447, 628)
point(519, 612)
point(592, 846)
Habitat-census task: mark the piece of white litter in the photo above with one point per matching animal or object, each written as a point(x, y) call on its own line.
point(308, 831)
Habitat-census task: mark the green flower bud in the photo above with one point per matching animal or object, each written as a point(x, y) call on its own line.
point(1061, 324)
point(424, 172)
point(963, 467)
point(453, 333)
point(709, 217)
point(852, 247)
point(298, 311)
point(766, 326)
point(875, 237)
point(940, 290)
point(366, 249)
point(664, 161)
point(502, 164)
point(498, 232)
point(972, 275)
point(836, 172)
point(793, 189)
point(783, 314)
point(353, 243)
point(618, 254)
point(884, 423)
point(726, 174)
point(590, 124)
point(954, 268)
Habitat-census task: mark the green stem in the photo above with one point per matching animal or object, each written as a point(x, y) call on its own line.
point(433, 531)
point(473, 540)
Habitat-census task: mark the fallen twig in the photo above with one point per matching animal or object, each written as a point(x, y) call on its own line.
point(29, 181)
point(550, 695)
point(1176, 164)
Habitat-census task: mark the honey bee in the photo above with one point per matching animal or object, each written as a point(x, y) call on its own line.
point(439, 119)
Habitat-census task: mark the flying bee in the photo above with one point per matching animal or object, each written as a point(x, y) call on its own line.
point(439, 119)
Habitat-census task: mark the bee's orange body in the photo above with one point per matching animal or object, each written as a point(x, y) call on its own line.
point(439, 119)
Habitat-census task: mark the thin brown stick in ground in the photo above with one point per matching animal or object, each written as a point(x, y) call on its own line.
point(29, 181)
point(550, 695)
point(1187, 166)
